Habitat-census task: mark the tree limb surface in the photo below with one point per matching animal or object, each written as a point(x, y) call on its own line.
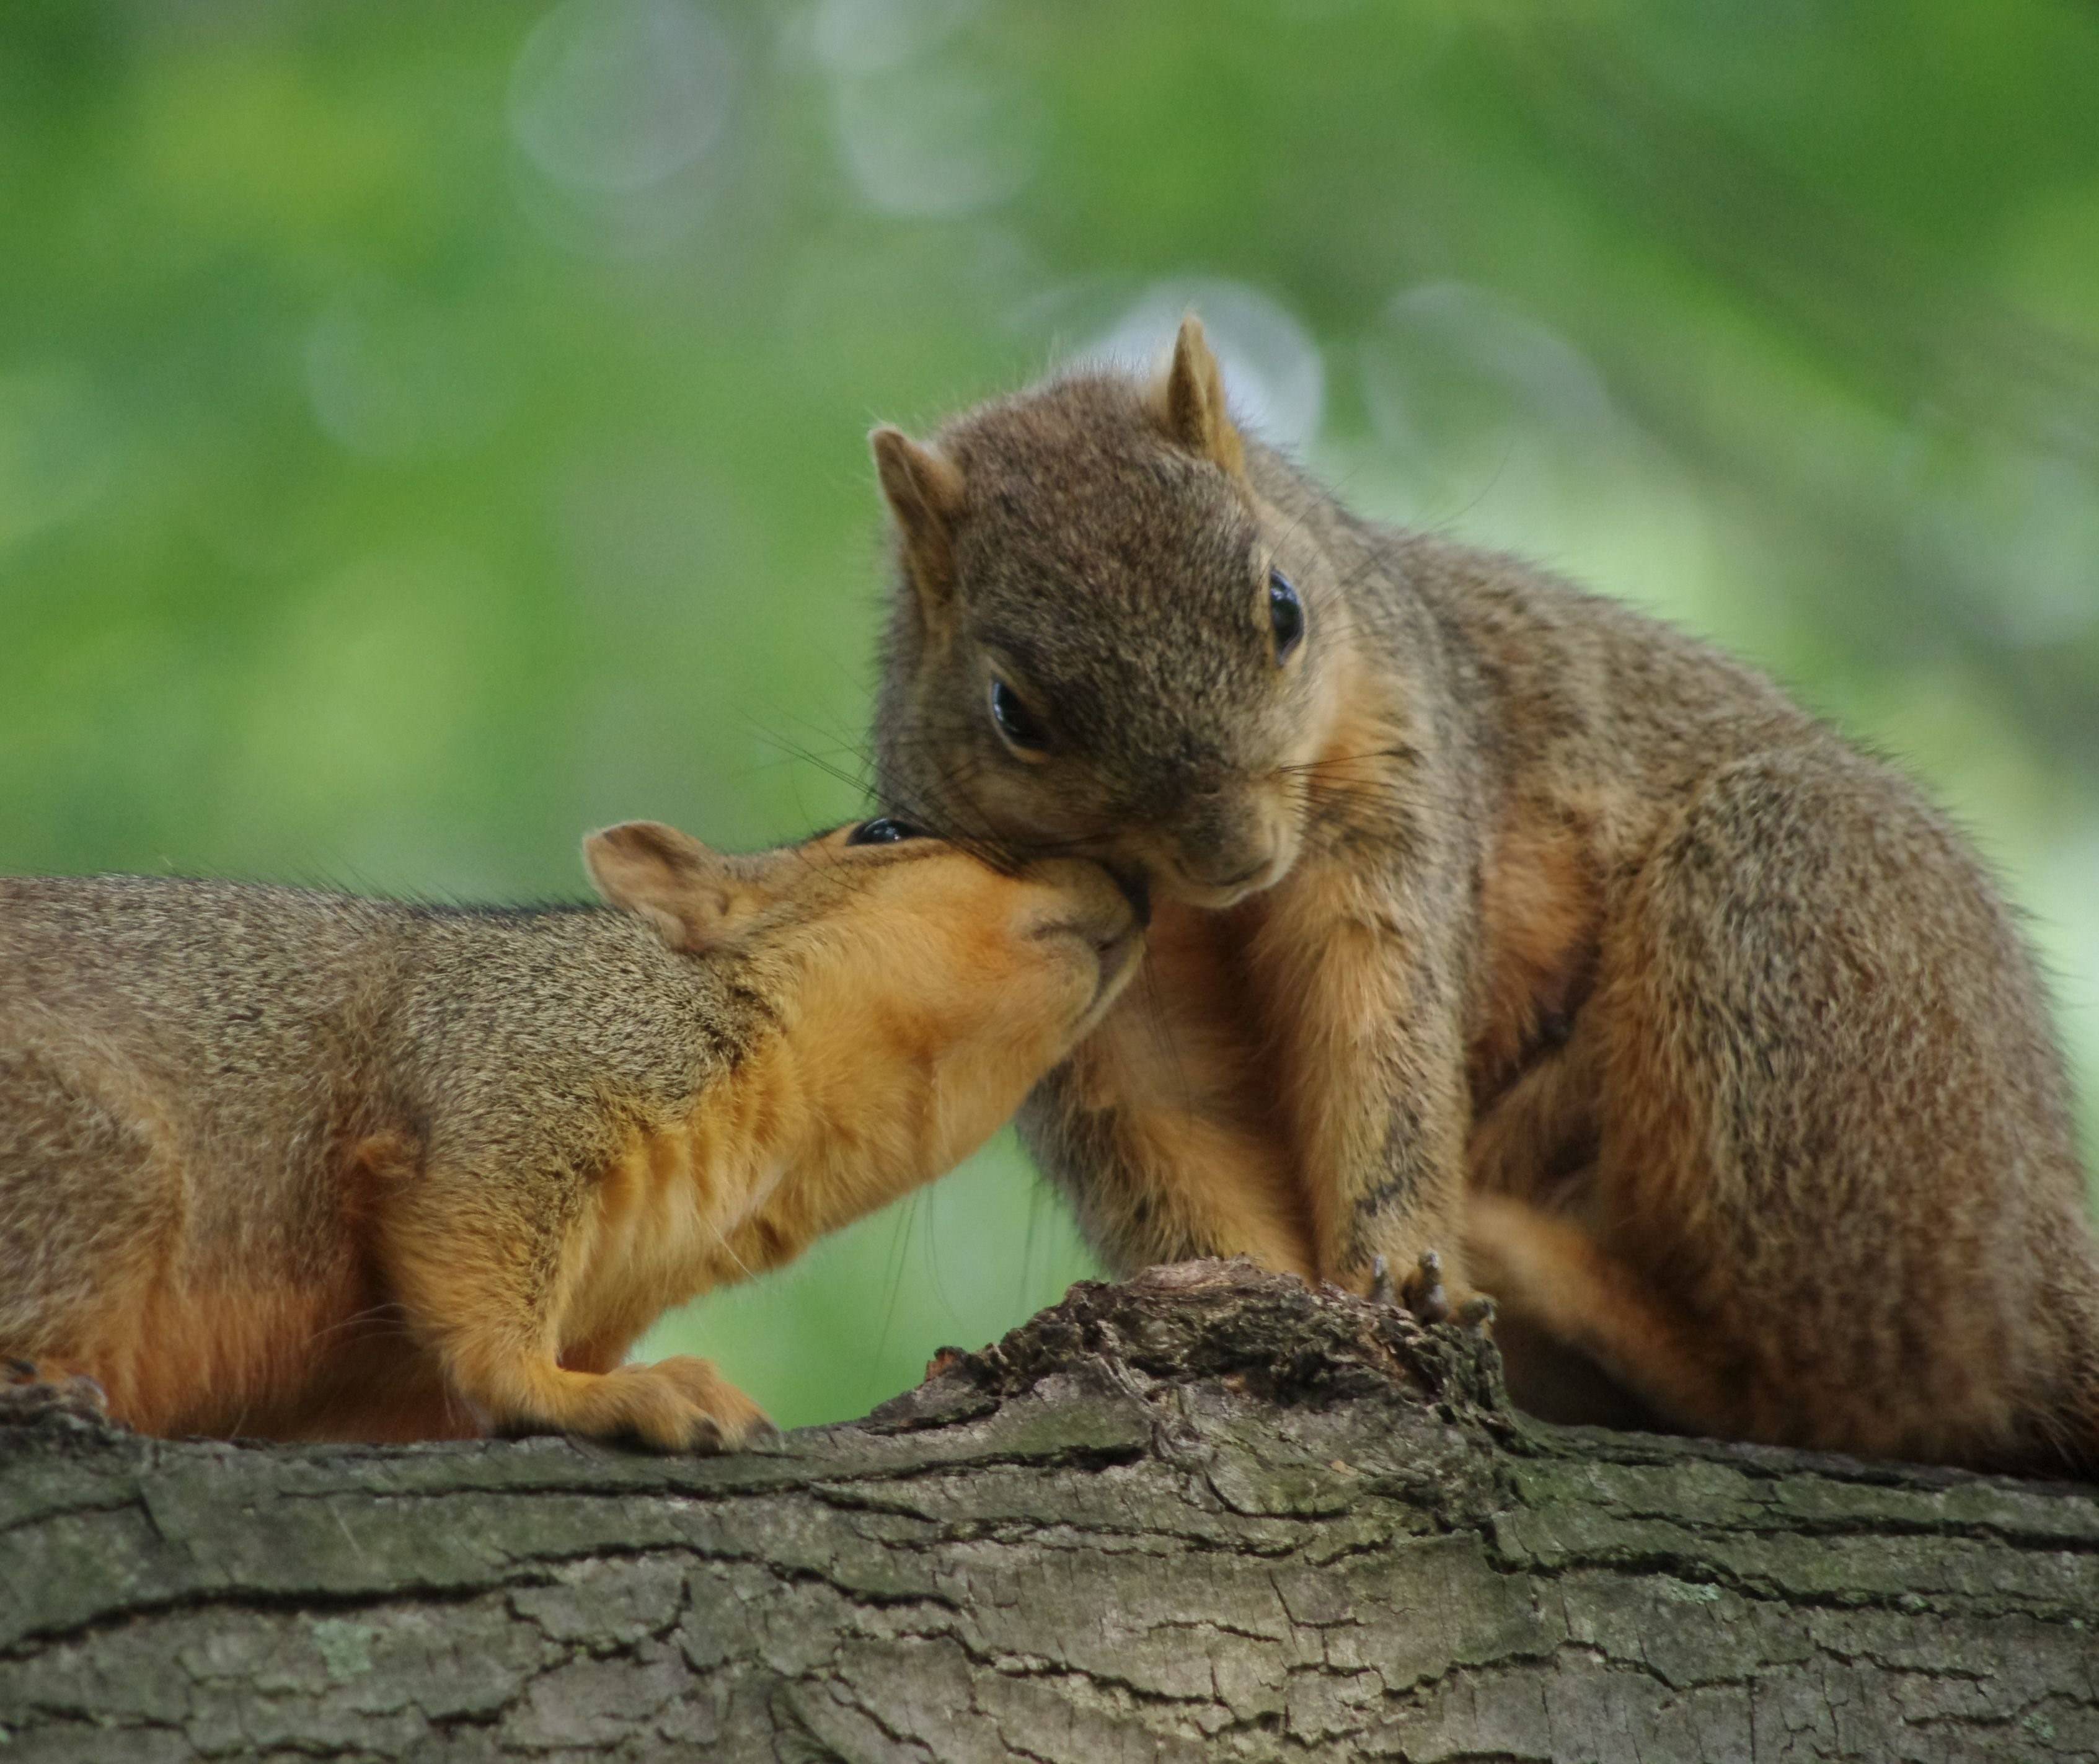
point(1208, 1515)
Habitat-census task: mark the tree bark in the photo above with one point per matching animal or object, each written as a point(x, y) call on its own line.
point(1208, 1515)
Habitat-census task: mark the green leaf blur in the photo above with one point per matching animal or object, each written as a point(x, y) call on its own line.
point(427, 432)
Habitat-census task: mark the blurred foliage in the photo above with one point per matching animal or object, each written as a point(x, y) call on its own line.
point(428, 431)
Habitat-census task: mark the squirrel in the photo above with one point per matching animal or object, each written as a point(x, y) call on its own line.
point(304, 1165)
point(1500, 932)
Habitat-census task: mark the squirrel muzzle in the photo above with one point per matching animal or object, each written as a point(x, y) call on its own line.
point(1221, 845)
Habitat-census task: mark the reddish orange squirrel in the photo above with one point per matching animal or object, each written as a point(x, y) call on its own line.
point(1496, 922)
point(302, 1165)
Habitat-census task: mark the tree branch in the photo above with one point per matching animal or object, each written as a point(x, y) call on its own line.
point(1206, 1515)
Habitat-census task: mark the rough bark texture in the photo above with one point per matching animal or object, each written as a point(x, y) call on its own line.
point(1208, 1514)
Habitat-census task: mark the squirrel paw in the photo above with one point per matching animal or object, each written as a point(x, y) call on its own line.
point(677, 1404)
point(1381, 1290)
point(26, 1395)
point(1423, 1293)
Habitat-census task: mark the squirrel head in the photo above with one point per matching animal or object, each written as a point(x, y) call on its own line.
point(920, 991)
point(912, 990)
point(1104, 639)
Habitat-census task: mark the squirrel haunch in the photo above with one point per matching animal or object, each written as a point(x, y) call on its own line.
point(1498, 920)
point(304, 1165)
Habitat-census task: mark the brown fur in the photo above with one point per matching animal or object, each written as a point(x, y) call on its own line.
point(306, 1166)
point(1529, 897)
point(1220, 1168)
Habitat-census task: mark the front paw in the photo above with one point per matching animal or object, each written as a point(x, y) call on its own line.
point(1423, 1294)
point(677, 1404)
point(28, 1393)
point(683, 1404)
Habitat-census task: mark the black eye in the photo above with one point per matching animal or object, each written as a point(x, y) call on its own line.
point(883, 831)
point(1015, 722)
point(1286, 614)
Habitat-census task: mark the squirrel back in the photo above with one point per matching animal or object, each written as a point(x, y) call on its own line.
point(301, 1163)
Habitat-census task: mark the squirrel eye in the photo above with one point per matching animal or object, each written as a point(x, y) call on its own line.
point(1286, 614)
point(883, 831)
point(1015, 721)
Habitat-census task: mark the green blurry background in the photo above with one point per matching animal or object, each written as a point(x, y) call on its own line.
point(428, 431)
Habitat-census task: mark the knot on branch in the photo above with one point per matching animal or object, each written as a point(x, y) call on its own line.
point(1266, 1335)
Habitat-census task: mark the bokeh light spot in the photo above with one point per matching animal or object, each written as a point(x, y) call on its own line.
point(857, 37)
point(614, 95)
point(939, 141)
point(1274, 375)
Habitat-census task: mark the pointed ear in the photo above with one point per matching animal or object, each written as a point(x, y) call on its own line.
point(1191, 401)
point(694, 896)
point(924, 494)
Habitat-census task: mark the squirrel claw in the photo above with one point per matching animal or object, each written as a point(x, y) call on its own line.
point(1424, 1293)
point(1383, 1292)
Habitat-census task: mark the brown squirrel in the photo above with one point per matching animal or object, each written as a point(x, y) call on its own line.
point(303, 1165)
point(1496, 921)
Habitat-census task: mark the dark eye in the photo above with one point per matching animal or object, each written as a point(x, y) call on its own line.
point(1015, 721)
point(1286, 614)
point(883, 831)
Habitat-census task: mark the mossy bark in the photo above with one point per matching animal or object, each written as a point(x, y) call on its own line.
point(1206, 1515)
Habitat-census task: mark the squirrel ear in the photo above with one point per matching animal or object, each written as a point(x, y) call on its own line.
point(1191, 402)
point(693, 896)
point(924, 494)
